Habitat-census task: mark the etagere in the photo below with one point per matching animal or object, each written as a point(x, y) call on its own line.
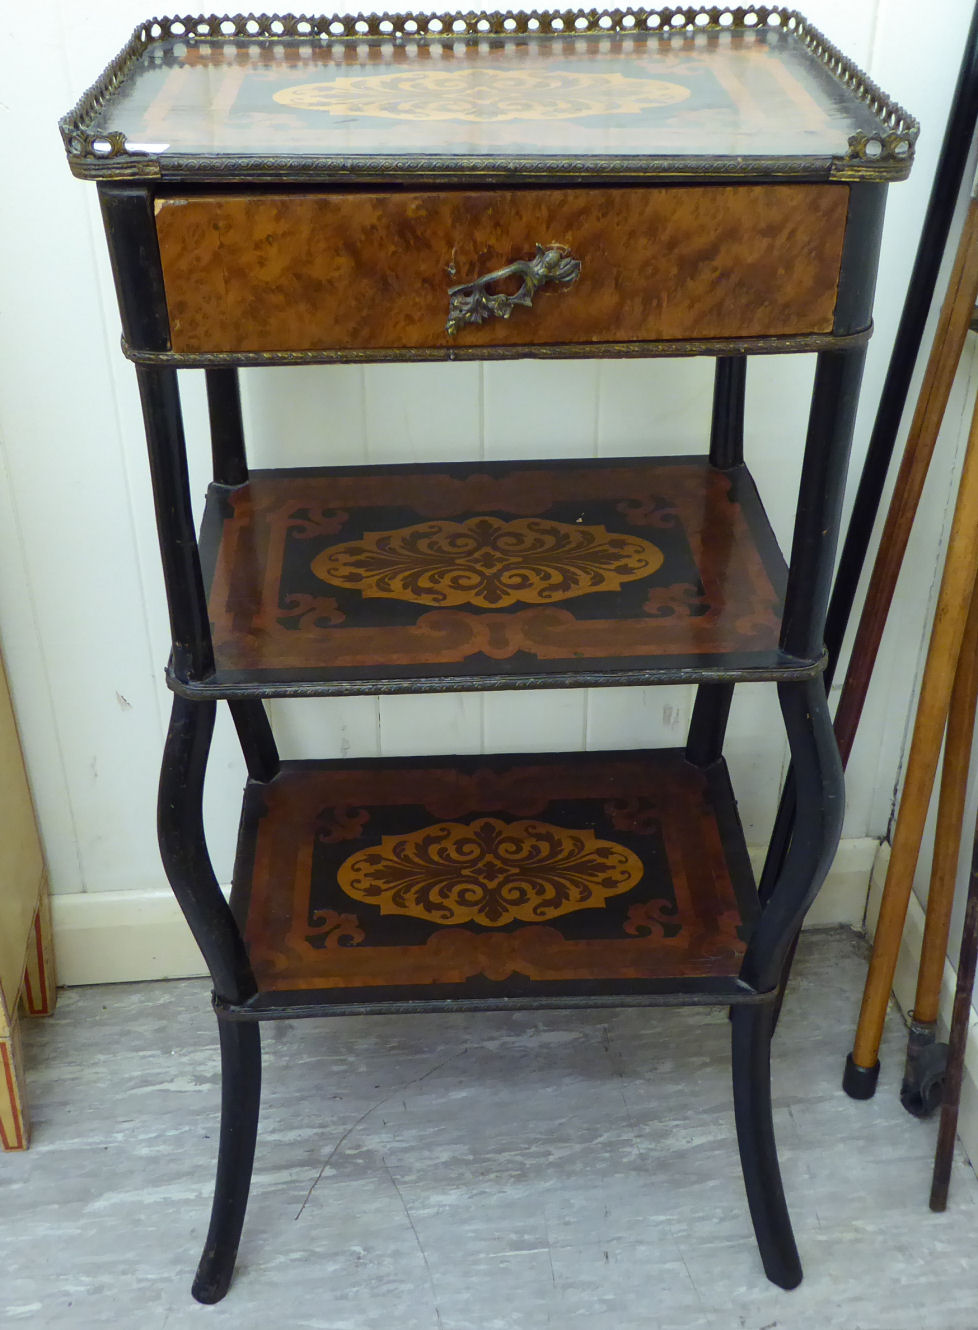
point(311, 190)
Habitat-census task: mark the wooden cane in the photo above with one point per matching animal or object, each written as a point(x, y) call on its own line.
point(920, 1092)
point(957, 1045)
point(954, 600)
point(942, 363)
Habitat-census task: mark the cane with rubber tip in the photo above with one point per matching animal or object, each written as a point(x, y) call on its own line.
point(960, 1025)
point(957, 583)
point(924, 1072)
point(942, 363)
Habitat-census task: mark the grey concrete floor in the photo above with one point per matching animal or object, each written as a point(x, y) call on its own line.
point(504, 1172)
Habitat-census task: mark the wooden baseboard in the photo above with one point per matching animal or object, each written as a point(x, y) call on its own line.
point(905, 987)
point(110, 937)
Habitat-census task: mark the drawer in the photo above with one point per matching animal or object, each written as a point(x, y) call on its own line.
point(267, 271)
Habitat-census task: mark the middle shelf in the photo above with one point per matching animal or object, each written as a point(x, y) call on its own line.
point(483, 575)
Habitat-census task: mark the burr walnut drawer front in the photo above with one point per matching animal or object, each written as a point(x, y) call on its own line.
point(266, 271)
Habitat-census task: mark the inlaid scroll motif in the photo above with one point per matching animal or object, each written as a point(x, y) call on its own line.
point(331, 929)
point(484, 95)
point(490, 872)
point(488, 562)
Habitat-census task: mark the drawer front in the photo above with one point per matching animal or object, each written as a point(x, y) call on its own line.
point(321, 271)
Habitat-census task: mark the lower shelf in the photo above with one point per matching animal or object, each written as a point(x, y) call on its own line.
point(494, 881)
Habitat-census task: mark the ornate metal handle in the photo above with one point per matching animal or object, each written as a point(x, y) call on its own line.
point(473, 303)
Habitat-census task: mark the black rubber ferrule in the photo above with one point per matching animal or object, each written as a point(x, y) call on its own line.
point(860, 1082)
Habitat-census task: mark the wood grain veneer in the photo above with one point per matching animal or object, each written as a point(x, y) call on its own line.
point(315, 271)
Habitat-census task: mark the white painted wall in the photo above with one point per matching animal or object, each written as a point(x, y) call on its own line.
point(82, 616)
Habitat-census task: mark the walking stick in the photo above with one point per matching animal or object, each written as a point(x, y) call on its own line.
point(942, 364)
point(951, 164)
point(957, 583)
point(960, 1021)
point(923, 1075)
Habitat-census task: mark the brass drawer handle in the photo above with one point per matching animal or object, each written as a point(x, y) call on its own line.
point(473, 303)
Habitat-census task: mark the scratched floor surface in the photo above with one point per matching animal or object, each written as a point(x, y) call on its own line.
point(560, 1171)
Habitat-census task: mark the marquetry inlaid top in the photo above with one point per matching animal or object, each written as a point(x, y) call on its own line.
point(652, 94)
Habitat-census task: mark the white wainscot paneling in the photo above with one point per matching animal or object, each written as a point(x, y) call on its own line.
point(554, 720)
point(431, 723)
point(638, 717)
point(654, 406)
point(76, 642)
point(326, 727)
point(541, 408)
point(423, 413)
point(757, 754)
point(223, 786)
point(304, 415)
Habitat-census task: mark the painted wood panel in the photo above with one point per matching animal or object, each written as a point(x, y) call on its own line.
point(21, 865)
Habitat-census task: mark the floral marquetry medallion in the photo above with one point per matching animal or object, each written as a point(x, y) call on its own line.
point(489, 872)
point(488, 562)
point(474, 876)
point(485, 94)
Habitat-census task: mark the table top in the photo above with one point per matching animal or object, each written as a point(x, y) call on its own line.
point(683, 92)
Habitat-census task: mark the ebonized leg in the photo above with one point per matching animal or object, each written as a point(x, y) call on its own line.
point(727, 425)
point(774, 860)
point(227, 430)
point(191, 876)
point(820, 804)
point(708, 725)
point(751, 1030)
point(183, 848)
point(240, 1097)
point(256, 739)
point(193, 652)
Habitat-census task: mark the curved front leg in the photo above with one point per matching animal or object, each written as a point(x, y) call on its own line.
point(183, 846)
point(820, 794)
point(821, 799)
point(240, 1099)
point(188, 867)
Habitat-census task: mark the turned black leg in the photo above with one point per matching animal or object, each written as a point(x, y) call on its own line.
point(240, 1097)
point(751, 1029)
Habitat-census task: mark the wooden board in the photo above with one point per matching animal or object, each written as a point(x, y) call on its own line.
point(21, 861)
point(493, 877)
point(316, 271)
point(491, 572)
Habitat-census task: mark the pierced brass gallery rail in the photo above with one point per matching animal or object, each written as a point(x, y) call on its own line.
point(472, 302)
